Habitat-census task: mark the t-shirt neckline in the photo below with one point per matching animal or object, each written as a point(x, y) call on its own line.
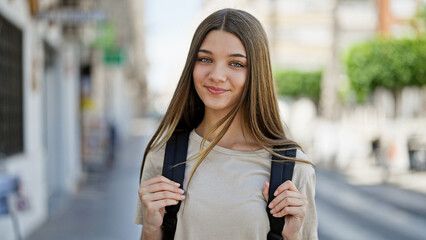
point(194, 136)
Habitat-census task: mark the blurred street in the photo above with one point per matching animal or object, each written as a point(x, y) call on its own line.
point(104, 208)
point(367, 212)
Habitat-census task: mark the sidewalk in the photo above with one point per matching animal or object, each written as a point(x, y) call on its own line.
point(104, 207)
point(362, 172)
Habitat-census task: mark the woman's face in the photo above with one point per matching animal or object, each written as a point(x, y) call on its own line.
point(220, 71)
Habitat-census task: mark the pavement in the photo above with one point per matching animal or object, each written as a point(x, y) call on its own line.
point(381, 211)
point(104, 207)
point(365, 172)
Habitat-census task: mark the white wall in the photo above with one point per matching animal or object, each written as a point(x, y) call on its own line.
point(119, 105)
point(71, 145)
point(30, 166)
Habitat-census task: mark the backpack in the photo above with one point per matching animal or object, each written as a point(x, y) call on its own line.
point(176, 152)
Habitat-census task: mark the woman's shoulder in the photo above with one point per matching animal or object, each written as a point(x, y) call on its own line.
point(153, 163)
point(155, 156)
point(156, 153)
point(303, 171)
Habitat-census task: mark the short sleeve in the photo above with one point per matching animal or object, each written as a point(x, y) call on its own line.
point(153, 168)
point(304, 179)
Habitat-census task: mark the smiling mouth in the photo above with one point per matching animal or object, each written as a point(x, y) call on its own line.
point(216, 91)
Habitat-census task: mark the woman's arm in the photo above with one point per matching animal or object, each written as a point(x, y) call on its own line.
point(303, 188)
point(288, 202)
point(153, 235)
point(155, 194)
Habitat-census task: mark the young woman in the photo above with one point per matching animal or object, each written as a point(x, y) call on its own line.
point(226, 99)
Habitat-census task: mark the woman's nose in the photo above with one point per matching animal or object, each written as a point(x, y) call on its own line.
point(218, 73)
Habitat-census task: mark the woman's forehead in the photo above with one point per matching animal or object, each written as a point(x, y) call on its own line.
point(219, 41)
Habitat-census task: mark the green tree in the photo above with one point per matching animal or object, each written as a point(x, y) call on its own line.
point(295, 84)
point(393, 64)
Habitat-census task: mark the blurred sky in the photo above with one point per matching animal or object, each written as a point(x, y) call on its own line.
point(169, 29)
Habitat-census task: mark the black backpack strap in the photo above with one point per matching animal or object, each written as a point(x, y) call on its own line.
point(176, 151)
point(280, 172)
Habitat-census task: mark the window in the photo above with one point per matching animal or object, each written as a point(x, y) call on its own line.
point(11, 91)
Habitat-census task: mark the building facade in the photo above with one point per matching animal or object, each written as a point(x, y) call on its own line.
point(67, 94)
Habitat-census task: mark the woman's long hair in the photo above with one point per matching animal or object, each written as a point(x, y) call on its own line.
point(261, 119)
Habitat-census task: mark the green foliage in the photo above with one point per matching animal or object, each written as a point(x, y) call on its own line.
point(296, 83)
point(392, 64)
point(105, 36)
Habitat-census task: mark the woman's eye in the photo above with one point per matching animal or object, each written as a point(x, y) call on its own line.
point(237, 65)
point(204, 60)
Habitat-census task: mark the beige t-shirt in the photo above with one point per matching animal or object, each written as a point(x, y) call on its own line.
point(224, 199)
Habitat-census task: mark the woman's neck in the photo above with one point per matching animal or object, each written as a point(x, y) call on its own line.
point(236, 137)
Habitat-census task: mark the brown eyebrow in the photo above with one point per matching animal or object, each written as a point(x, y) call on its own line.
point(231, 55)
point(237, 55)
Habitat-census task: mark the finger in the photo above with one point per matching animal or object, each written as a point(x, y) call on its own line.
point(283, 195)
point(265, 190)
point(288, 202)
point(158, 184)
point(158, 187)
point(162, 196)
point(164, 203)
point(158, 180)
point(160, 205)
point(287, 185)
point(294, 211)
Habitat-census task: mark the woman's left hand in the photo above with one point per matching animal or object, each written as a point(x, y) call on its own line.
point(288, 202)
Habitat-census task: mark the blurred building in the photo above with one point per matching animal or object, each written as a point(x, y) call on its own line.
point(310, 35)
point(72, 75)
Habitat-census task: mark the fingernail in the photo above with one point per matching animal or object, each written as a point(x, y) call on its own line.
point(180, 191)
point(272, 211)
point(275, 215)
point(270, 205)
point(182, 197)
point(275, 193)
point(177, 184)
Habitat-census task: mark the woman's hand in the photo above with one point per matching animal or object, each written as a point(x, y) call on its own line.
point(288, 202)
point(155, 195)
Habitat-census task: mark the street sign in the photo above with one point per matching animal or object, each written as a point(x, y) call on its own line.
point(115, 56)
point(73, 16)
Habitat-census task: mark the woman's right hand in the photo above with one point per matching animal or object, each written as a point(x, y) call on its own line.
point(155, 195)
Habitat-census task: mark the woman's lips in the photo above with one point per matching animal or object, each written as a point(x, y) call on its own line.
point(215, 90)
